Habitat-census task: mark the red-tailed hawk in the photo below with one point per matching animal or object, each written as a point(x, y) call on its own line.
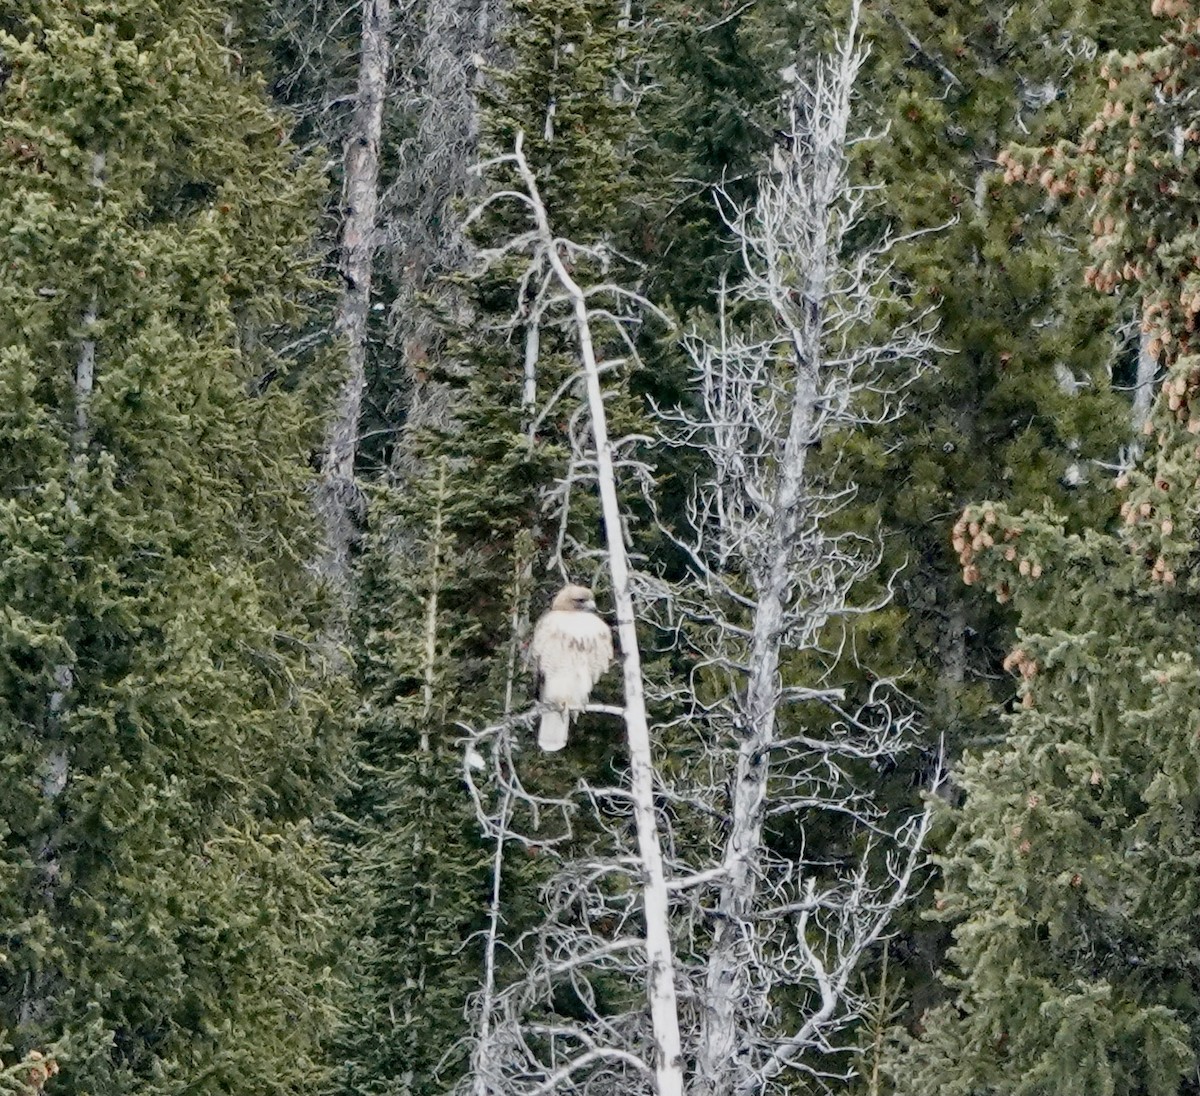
point(571, 648)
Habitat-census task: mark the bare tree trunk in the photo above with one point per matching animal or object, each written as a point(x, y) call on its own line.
point(484, 1047)
point(952, 652)
point(1143, 391)
point(804, 365)
point(340, 499)
point(485, 1012)
point(721, 1063)
point(664, 1011)
point(718, 1062)
point(1143, 401)
point(445, 47)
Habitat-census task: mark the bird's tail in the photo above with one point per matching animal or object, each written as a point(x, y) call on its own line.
point(552, 734)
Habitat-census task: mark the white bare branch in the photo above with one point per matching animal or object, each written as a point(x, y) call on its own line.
point(811, 342)
point(677, 926)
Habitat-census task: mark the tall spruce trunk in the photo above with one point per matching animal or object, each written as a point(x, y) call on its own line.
point(56, 769)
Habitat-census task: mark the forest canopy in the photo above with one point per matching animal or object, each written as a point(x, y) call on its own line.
point(365, 369)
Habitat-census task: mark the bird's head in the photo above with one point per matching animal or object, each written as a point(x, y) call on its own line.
point(574, 599)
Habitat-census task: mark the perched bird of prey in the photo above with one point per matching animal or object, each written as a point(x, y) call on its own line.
point(571, 648)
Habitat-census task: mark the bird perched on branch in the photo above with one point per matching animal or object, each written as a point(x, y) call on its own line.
point(571, 648)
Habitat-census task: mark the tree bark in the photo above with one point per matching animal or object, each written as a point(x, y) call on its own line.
point(340, 498)
point(1143, 391)
point(719, 1066)
point(798, 275)
point(664, 1010)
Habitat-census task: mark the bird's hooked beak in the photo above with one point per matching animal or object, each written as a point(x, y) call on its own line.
point(591, 605)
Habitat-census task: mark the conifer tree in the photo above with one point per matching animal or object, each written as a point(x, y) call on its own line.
point(463, 534)
point(710, 113)
point(1020, 406)
point(1070, 874)
point(162, 713)
point(1023, 379)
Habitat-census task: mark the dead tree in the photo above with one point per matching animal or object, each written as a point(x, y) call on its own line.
point(587, 1053)
point(799, 359)
point(443, 48)
point(340, 499)
point(678, 938)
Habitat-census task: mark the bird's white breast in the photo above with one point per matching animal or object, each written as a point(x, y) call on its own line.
point(572, 650)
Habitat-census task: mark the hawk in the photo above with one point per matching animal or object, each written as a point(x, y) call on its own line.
point(571, 648)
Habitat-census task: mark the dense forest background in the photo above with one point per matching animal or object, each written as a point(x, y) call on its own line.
point(892, 307)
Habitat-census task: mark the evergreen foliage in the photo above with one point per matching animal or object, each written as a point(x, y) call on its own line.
point(169, 728)
point(1019, 407)
point(1070, 874)
point(708, 114)
point(164, 715)
point(463, 536)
